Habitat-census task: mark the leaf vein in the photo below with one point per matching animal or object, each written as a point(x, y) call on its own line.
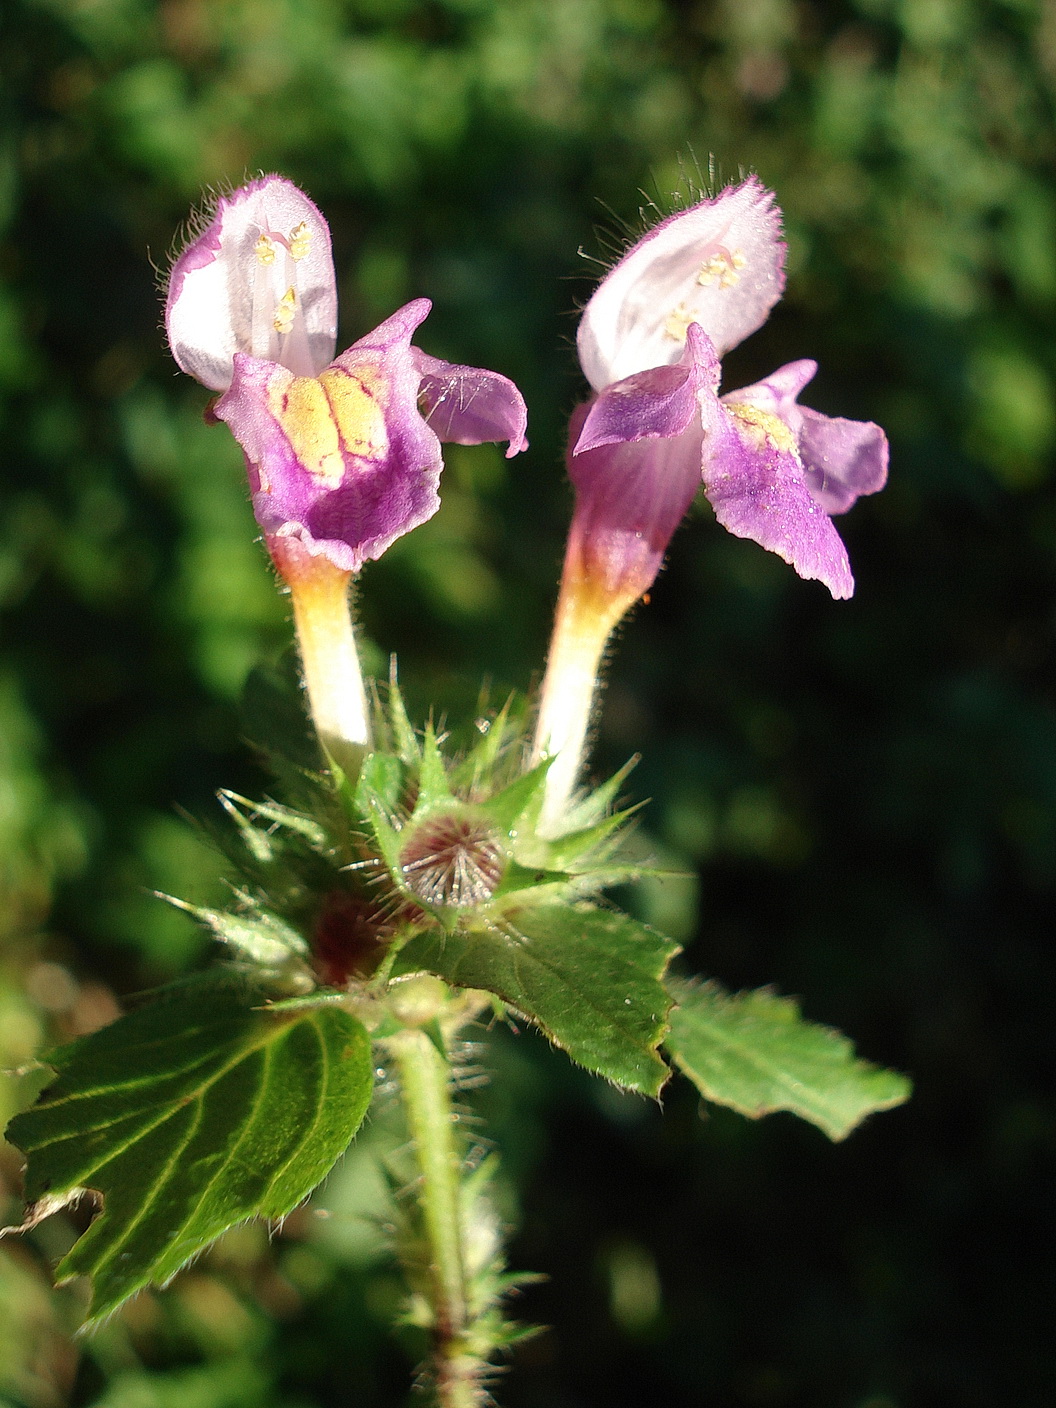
point(798, 1089)
point(153, 1196)
point(171, 1107)
point(320, 1104)
point(250, 1118)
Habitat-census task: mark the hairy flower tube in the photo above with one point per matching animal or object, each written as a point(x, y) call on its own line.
point(343, 453)
point(650, 342)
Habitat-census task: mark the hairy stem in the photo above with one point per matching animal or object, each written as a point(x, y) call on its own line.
point(425, 1075)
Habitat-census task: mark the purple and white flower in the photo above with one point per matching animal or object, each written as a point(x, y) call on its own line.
point(650, 342)
point(343, 453)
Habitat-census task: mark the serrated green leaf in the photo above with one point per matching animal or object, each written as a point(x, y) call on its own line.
point(590, 978)
point(754, 1052)
point(188, 1117)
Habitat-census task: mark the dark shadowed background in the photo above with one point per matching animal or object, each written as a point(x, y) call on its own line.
point(863, 793)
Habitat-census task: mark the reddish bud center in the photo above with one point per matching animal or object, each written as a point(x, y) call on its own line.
point(350, 935)
point(455, 859)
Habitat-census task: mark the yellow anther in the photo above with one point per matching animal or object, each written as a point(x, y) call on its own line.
point(712, 269)
point(264, 249)
point(285, 310)
point(722, 268)
point(677, 322)
point(300, 241)
point(763, 428)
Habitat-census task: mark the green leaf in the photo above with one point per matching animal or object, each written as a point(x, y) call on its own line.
point(476, 769)
point(754, 1052)
point(404, 742)
point(590, 978)
point(517, 877)
point(593, 805)
point(256, 839)
point(433, 785)
point(381, 783)
point(550, 886)
point(259, 936)
point(524, 795)
point(279, 816)
point(583, 846)
point(188, 1117)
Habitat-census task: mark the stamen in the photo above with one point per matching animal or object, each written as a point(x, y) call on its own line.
point(722, 267)
point(711, 270)
point(676, 324)
point(285, 311)
point(300, 241)
point(279, 331)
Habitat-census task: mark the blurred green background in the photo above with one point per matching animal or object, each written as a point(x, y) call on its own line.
point(865, 792)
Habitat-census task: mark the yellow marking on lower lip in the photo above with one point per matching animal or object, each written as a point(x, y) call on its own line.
point(302, 409)
point(330, 417)
point(357, 401)
point(763, 427)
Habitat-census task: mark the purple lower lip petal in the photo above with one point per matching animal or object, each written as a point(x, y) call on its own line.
point(345, 462)
point(841, 459)
point(754, 480)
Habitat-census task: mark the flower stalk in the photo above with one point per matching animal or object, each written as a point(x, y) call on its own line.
point(319, 592)
point(586, 616)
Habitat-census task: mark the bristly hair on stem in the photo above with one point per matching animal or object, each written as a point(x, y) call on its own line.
point(449, 1238)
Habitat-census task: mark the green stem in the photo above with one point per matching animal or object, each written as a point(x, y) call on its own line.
point(425, 1076)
